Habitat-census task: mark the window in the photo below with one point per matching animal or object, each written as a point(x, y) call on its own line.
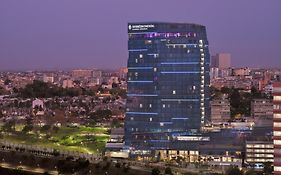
point(150, 119)
point(147, 41)
point(277, 107)
point(277, 142)
point(163, 105)
point(174, 92)
point(277, 115)
point(150, 105)
point(277, 168)
point(141, 55)
point(275, 124)
point(276, 89)
point(141, 105)
point(277, 133)
point(277, 98)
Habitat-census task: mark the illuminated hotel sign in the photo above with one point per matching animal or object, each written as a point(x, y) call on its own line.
point(192, 138)
point(140, 27)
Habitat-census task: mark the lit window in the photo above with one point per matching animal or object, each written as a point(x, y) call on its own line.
point(136, 60)
point(161, 124)
point(275, 124)
point(277, 142)
point(150, 119)
point(155, 69)
point(277, 115)
point(174, 92)
point(276, 107)
point(141, 105)
point(150, 105)
point(141, 56)
point(277, 98)
point(163, 105)
point(148, 42)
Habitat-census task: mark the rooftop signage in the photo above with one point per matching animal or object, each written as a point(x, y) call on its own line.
point(140, 27)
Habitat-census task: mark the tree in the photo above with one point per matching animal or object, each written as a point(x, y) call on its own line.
point(118, 165)
point(251, 172)
point(255, 93)
point(45, 128)
point(9, 126)
point(168, 171)
point(115, 123)
point(234, 170)
point(1, 114)
point(82, 163)
point(155, 171)
point(268, 168)
point(7, 82)
point(27, 128)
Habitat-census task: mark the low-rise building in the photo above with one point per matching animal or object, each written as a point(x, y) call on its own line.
point(259, 152)
point(220, 110)
point(262, 108)
point(67, 84)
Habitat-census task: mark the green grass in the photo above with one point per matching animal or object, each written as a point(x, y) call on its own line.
point(81, 139)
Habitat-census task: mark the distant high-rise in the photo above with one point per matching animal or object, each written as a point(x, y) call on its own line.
point(221, 60)
point(168, 84)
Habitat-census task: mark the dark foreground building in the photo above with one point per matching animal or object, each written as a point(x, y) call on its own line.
point(168, 85)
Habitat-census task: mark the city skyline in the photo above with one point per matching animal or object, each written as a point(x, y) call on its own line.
point(68, 34)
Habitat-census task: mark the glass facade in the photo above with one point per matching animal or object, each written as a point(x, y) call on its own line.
point(168, 83)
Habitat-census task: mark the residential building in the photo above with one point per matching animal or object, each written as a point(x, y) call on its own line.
point(259, 151)
point(48, 79)
point(220, 110)
point(67, 84)
point(82, 73)
point(262, 108)
point(277, 127)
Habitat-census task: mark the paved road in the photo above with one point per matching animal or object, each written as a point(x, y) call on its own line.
point(27, 168)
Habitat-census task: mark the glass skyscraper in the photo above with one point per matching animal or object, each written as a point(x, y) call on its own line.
point(168, 84)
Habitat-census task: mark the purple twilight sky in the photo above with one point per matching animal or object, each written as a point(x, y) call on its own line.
point(63, 34)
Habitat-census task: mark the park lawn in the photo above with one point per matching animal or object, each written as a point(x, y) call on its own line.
point(81, 139)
